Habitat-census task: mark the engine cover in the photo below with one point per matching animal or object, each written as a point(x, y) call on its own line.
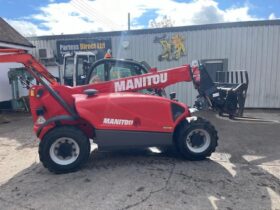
point(129, 111)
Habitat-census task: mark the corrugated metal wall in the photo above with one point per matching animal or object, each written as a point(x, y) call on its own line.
point(252, 48)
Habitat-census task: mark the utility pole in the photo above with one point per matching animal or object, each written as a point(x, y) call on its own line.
point(128, 21)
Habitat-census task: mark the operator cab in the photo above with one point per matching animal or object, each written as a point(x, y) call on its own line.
point(111, 69)
point(74, 71)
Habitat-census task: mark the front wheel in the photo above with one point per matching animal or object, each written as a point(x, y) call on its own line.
point(64, 149)
point(197, 139)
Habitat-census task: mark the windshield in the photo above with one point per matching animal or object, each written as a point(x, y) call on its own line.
point(92, 59)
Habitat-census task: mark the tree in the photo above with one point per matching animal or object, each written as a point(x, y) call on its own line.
point(163, 23)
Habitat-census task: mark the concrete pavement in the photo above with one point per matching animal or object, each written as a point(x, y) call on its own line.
point(244, 173)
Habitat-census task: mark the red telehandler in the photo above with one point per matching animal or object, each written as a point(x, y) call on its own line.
point(114, 116)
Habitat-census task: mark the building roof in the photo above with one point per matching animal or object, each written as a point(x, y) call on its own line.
point(9, 35)
point(159, 30)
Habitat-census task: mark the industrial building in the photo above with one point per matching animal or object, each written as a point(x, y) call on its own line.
point(253, 46)
point(10, 94)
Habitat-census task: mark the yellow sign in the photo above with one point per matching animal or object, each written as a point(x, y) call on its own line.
point(173, 48)
point(92, 46)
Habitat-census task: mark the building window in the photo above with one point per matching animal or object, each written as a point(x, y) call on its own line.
point(214, 65)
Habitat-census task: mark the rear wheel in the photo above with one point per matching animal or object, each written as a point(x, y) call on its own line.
point(64, 149)
point(197, 139)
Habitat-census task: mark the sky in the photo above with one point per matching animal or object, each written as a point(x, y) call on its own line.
point(53, 17)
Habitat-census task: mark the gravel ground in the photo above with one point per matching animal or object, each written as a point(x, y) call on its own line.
point(244, 173)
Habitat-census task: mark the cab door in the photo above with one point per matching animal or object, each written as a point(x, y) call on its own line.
point(122, 69)
point(98, 72)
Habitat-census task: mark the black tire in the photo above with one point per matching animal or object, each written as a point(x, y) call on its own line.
point(199, 125)
point(77, 139)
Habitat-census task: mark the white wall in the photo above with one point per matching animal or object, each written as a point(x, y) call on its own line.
point(5, 87)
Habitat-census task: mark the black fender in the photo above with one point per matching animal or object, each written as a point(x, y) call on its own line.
point(183, 123)
point(55, 119)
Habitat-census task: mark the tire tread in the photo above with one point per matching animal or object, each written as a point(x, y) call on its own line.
point(185, 127)
point(63, 129)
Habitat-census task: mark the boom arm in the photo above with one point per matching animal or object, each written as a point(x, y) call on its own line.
point(154, 79)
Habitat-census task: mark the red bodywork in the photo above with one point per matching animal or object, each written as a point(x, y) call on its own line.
point(130, 106)
point(106, 110)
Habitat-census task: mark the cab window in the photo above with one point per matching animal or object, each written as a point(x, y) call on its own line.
point(119, 70)
point(92, 59)
point(69, 66)
point(80, 61)
point(98, 74)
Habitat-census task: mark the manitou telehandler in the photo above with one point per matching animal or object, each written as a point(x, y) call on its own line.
point(114, 116)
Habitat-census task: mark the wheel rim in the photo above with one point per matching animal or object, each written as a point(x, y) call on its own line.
point(198, 140)
point(64, 151)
